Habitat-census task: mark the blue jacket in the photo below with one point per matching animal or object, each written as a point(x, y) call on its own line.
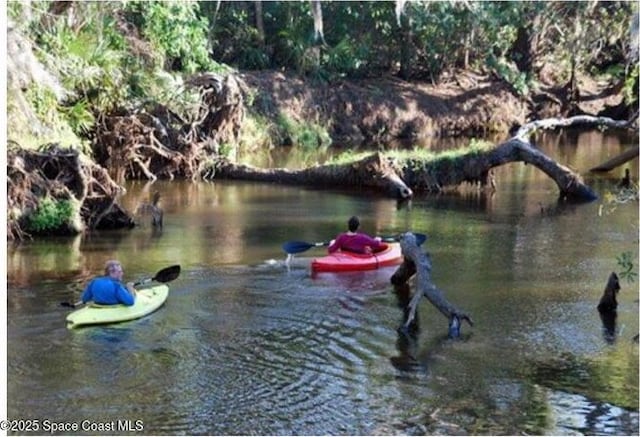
point(107, 291)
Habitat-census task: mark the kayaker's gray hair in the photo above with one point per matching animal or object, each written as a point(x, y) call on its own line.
point(110, 266)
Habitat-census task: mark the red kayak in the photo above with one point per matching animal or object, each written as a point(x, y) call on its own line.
point(389, 255)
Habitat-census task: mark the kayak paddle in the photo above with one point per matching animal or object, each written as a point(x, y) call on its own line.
point(167, 274)
point(301, 246)
point(293, 247)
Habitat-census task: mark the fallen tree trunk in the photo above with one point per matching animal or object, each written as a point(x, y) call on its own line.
point(416, 262)
point(375, 171)
point(400, 177)
point(578, 120)
point(475, 166)
point(618, 160)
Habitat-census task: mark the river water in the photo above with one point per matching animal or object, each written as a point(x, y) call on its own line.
point(249, 344)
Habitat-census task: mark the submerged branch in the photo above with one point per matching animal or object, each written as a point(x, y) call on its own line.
point(419, 263)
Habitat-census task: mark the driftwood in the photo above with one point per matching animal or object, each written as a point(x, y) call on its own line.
point(618, 160)
point(418, 263)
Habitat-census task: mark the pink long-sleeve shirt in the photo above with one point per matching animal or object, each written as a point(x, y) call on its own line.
point(355, 242)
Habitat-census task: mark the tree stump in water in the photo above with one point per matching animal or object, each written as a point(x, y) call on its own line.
point(416, 262)
point(607, 308)
point(608, 300)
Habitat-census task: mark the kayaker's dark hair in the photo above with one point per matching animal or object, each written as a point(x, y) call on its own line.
point(354, 223)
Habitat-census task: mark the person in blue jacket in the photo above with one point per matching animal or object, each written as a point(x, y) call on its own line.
point(109, 289)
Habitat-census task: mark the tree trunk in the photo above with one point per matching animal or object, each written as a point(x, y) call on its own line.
point(406, 46)
point(318, 25)
point(259, 21)
point(522, 51)
point(402, 177)
point(373, 172)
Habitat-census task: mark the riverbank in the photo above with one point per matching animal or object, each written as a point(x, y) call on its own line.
point(380, 110)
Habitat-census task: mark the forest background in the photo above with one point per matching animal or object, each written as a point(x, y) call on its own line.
point(73, 65)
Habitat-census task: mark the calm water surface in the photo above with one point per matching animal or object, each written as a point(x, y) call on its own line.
point(248, 344)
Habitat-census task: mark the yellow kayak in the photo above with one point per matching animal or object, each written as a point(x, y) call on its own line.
point(147, 301)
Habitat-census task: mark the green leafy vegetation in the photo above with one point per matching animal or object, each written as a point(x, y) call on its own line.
point(612, 200)
point(428, 39)
point(625, 261)
point(475, 146)
point(630, 89)
point(104, 62)
point(177, 32)
point(308, 136)
point(51, 215)
point(114, 56)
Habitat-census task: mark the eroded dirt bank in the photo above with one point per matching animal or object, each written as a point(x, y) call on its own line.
point(383, 109)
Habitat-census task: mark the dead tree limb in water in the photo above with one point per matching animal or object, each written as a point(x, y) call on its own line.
point(579, 120)
point(419, 263)
point(608, 301)
point(374, 171)
point(475, 166)
point(403, 176)
point(618, 160)
point(607, 308)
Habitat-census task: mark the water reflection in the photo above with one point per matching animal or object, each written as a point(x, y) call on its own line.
point(250, 344)
point(407, 342)
point(608, 319)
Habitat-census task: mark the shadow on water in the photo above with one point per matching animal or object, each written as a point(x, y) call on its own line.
point(248, 346)
point(407, 342)
point(409, 358)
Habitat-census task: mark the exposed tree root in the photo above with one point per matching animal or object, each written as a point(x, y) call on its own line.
point(147, 144)
point(60, 174)
point(157, 143)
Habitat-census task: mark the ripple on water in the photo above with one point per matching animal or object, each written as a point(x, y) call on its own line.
point(576, 414)
point(249, 360)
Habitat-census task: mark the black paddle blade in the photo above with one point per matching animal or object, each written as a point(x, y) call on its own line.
point(168, 274)
point(67, 304)
point(292, 247)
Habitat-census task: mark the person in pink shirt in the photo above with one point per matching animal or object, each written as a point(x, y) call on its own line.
point(354, 241)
